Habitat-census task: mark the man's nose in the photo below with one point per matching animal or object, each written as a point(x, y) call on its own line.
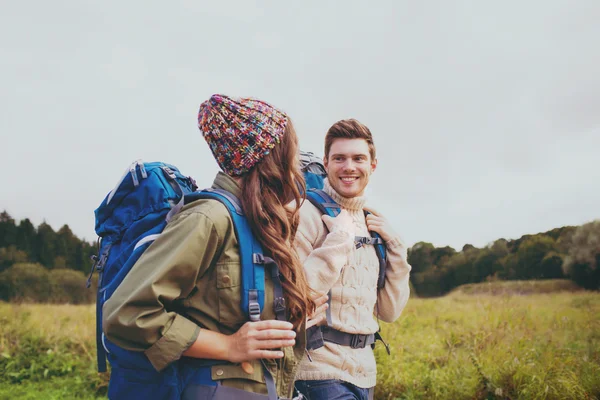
point(349, 165)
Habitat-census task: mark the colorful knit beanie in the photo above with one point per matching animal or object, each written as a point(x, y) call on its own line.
point(240, 132)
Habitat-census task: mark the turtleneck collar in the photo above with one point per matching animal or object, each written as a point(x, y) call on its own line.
point(349, 203)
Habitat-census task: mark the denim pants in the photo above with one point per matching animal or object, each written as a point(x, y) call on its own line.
point(332, 389)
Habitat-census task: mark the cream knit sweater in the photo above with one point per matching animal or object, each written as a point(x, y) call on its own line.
point(332, 262)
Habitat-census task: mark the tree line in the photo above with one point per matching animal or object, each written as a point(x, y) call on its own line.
point(40, 264)
point(24, 243)
point(571, 252)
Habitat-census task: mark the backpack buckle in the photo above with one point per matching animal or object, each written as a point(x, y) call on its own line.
point(168, 172)
point(193, 184)
point(253, 306)
point(254, 311)
point(359, 241)
point(358, 341)
point(258, 258)
point(279, 305)
point(103, 258)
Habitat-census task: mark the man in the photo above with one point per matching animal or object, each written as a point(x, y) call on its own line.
point(348, 270)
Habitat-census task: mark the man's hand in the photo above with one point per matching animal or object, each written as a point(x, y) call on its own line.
point(319, 315)
point(377, 223)
point(343, 222)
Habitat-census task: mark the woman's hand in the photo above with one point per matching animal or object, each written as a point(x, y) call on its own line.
point(255, 340)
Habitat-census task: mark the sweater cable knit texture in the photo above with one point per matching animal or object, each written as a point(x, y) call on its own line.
point(333, 264)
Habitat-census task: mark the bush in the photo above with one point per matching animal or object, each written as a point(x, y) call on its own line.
point(25, 282)
point(33, 283)
point(68, 286)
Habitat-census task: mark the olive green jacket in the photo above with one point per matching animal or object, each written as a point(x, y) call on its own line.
point(189, 279)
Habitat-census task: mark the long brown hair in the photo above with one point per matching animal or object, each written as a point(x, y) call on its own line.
point(268, 189)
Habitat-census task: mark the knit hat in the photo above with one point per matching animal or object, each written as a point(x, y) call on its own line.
point(240, 132)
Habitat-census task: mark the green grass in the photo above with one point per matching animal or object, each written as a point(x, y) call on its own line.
point(48, 352)
point(542, 346)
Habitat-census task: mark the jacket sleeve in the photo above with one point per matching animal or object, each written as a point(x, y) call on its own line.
point(324, 261)
point(137, 316)
point(392, 299)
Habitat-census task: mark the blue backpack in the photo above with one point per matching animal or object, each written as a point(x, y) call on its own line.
point(131, 216)
point(313, 169)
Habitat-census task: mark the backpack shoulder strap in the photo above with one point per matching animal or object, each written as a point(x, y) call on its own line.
point(251, 252)
point(328, 206)
point(253, 263)
point(323, 202)
point(381, 255)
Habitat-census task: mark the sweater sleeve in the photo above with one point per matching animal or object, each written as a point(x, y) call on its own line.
point(322, 253)
point(136, 317)
point(392, 299)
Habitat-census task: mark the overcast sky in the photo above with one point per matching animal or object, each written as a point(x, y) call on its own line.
point(486, 115)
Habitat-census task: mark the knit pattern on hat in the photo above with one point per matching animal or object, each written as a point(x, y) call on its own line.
point(240, 132)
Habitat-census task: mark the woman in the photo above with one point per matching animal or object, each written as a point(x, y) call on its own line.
point(181, 301)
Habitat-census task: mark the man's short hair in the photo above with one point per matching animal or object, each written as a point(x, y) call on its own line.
point(349, 129)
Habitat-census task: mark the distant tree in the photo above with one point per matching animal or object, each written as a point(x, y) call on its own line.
point(45, 245)
point(582, 263)
point(26, 237)
point(461, 267)
point(532, 253)
point(489, 260)
point(442, 254)
point(67, 244)
point(83, 253)
point(552, 265)
point(528, 261)
point(8, 230)
point(433, 282)
point(420, 257)
point(459, 270)
point(499, 247)
point(467, 247)
point(558, 233)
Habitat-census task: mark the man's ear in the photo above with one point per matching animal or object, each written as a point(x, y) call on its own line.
point(373, 165)
point(325, 164)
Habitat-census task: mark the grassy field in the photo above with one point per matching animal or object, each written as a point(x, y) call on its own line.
point(461, 346)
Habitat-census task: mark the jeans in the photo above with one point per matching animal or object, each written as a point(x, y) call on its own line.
point(332, 389)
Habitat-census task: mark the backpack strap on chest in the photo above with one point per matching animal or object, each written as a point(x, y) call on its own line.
point(380, 249)
point(253, 262)
point(323, 202)
point(252, 273)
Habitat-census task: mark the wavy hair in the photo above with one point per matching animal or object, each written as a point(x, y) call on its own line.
point(349, 129)
point(272, 192)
